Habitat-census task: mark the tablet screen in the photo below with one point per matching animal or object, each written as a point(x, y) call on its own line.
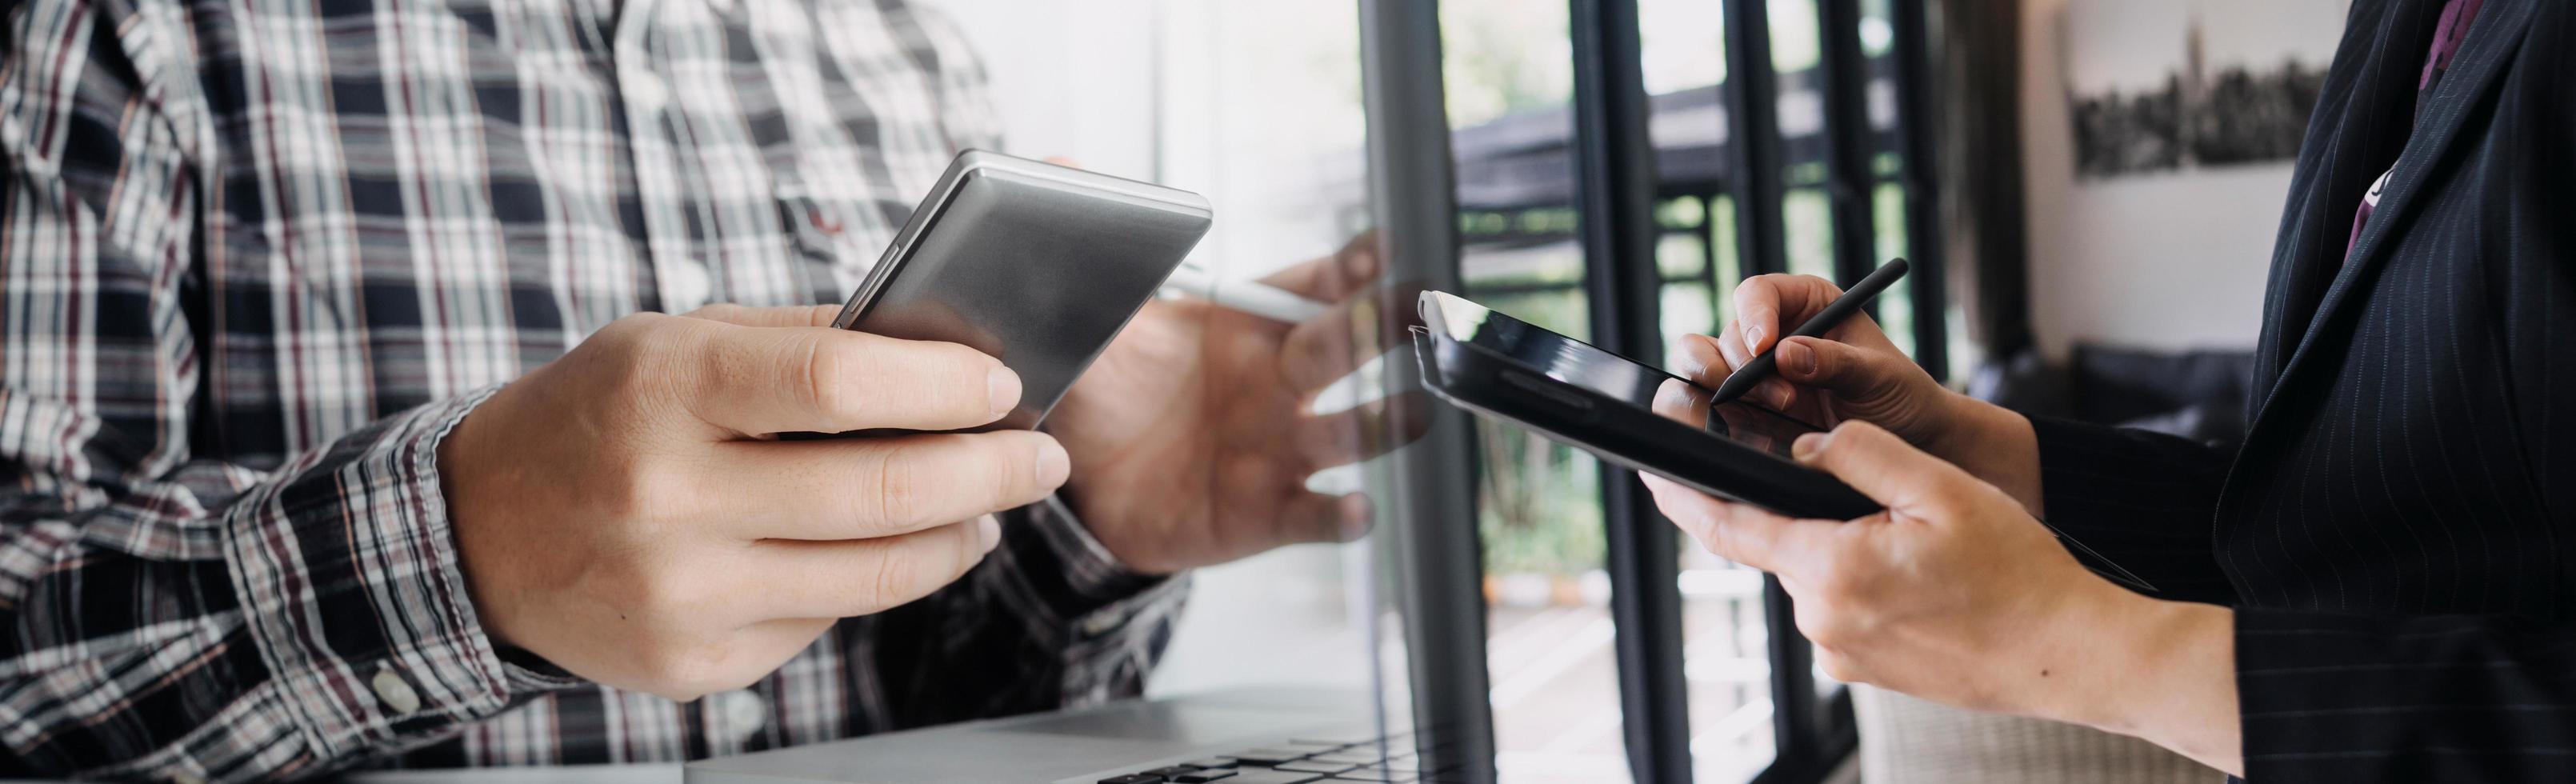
point(1581, 364)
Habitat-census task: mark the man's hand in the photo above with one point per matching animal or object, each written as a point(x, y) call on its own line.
point(1956, 595)
point(1855, 372)
point(1190, 437)
point(624, 513)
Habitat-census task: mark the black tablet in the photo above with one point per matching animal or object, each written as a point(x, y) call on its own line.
point(1636, 415)
point(1625, 411)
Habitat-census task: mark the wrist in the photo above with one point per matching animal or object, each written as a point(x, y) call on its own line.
point(1992, 443)
point(2151, 663)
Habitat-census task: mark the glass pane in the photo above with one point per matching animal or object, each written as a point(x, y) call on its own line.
point(1688, 308)
point(1730, 266)
point(1509, 73)
point(1877, 29)
point(1291, 171)
point(1724, 657)
point(1807, 216)
point(1896, 307)
point(1726, 661)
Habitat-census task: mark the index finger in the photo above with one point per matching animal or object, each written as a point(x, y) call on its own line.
point(1766, 306)
point(1741, 533)
point(1336, 277)
point(761, 380)
point(787, 316)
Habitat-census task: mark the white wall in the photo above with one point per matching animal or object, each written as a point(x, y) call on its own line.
point(2167, 260)
point(1074, 80)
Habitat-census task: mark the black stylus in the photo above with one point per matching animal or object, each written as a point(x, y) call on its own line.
point(1752, 374)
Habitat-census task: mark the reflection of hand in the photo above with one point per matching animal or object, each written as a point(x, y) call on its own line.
point(1855, 372)
point(1190, 437)
point(1954, 594)
point(1682, 402)
point(622, 514)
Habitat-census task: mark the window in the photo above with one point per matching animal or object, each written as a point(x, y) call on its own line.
point(1832, 77)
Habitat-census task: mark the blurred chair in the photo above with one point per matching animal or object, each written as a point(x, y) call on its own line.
point(1904, 740)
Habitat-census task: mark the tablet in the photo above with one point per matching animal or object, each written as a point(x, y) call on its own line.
point(1624, 411)
point(1638, 416)
point(1035, 264)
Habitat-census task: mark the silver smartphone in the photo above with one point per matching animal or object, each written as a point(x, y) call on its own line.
point(1036, 264)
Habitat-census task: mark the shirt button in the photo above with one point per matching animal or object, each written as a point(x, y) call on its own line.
point(185, 777)
point(1102, 622)
point(684, 286)
point(745, 713)
point(394, 691)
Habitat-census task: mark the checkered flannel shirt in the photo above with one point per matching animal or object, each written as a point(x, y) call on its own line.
point(261, 255)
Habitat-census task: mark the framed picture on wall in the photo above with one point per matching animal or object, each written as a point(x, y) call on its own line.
point(2180, 84)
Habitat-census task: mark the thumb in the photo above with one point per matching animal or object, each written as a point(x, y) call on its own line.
point(1849, 371)
point(1882, 466)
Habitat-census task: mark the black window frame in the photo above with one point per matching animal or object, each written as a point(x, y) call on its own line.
point(1617, 193)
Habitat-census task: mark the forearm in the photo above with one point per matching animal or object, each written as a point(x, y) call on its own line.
point(2159, 670)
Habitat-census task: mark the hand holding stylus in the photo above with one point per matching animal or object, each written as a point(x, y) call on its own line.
point(1825, 320)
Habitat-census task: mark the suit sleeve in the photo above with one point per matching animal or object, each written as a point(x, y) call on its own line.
point(2140, 499)
point(2348, 698)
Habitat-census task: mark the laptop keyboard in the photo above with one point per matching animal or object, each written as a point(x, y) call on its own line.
point(1381, 760)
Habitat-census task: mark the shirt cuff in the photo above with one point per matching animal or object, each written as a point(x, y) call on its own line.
point(1087, 578)
point(1114, 620)
point(348, 575)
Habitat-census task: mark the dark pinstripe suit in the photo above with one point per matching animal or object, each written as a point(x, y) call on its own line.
point(2396, 530)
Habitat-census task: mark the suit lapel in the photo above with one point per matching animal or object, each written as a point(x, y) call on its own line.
point(2474, 70)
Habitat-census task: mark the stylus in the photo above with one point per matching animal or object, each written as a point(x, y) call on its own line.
point(1746, 378)
point(1243, 295)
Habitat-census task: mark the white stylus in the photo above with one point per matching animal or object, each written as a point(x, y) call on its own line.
point(1247, 296)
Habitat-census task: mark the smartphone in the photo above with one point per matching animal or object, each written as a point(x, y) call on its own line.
point(1622, 410)
point(1036, 264)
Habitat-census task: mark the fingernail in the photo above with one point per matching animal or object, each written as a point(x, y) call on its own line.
point(1053, 463)
point(1808, 445)
point(1753, 338)
point(989, 531)
point(1797, 356)
point(1002, 390)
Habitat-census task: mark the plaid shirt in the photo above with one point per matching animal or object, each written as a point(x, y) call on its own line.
point(260, 256)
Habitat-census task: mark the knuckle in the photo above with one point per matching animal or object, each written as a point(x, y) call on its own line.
point(895, 576)
point(824, 364)
point(658, 593)
point(646, 491)
point(1013, 479)
point(898, 497)
point(686, 668)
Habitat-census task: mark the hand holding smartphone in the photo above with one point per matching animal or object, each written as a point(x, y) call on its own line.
point(1035, 264)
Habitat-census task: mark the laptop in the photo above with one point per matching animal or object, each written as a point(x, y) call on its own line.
point(1245, 736)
